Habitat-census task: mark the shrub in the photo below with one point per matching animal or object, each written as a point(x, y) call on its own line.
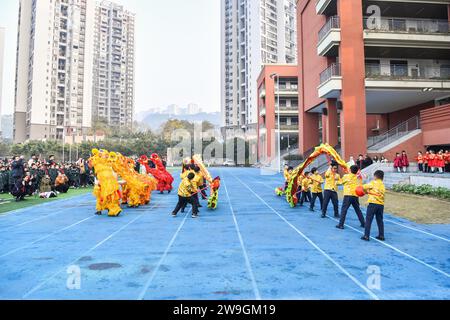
point(423, 190)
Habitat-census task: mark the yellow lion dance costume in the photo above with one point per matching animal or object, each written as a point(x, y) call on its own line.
point(107, 190)
point(138, 188)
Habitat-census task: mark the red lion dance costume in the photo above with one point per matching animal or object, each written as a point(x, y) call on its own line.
point(164, 178)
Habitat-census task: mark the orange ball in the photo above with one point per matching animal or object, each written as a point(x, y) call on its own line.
point(360, 191)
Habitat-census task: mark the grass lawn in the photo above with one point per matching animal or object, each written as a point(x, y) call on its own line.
point(420, 209)
point(7, 202)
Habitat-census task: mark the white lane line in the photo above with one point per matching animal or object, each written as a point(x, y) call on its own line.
point(163, 257)
point(387, 220)
point(343, 270)
point(244, 251)
point(34, 220)
point(37, 287)
point(399, 251)
point(402, 252)
point(417, 230)
point(45, 237)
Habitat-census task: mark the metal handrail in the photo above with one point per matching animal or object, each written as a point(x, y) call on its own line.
point(398, 71)
point(395, 133)
point(332, 70)
point(409, 25)
point(332, 23)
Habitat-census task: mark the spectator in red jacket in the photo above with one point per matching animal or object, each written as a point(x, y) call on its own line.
point(440, 161)
point(432, 161)
point(405, 161)
point(398, 164)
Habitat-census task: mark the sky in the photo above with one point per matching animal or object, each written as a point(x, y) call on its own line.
point(177, 52)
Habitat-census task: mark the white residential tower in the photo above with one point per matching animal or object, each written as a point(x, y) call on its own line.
point(254, 33)
point(113, 97)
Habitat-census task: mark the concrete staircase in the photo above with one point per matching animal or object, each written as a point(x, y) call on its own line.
point(395, 136)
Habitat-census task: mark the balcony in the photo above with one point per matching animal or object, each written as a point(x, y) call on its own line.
point(285, 110)
point(262, 111)
point(407, 32)
point(326, 7)
point(329, 37)
point(413, 76)
point(330, 82)
point(289, 128)
point(262, 128)
point(286, 91)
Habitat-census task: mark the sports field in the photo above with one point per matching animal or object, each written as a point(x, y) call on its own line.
point(254, 246)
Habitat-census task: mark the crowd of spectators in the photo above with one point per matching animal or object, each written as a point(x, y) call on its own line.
point(45, 178)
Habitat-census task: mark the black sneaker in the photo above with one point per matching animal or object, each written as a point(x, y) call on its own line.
point(323, 216)
point(311, 209)
point(337, 216)
point(194, 215)
point(174, 214)
point(340, 227)
point(98, 213)
point(200, 206)
point(380, 238)
point(365, 238)
point(363, 226)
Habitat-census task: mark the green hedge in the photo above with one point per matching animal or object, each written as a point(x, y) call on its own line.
point(423, 190)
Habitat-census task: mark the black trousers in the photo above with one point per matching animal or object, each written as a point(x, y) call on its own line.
point(306, 195)
point(194, 199)
point(421, 167)
point(375, 210)
point(314, 197)
point(183, 201)
point(332, 196)
point(354, 202)
point(83, 179)
point(63, 188)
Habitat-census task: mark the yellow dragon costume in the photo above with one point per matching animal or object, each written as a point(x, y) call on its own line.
point(291, 191)
point(107, 190)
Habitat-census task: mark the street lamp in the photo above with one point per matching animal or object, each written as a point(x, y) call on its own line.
point(277, 91)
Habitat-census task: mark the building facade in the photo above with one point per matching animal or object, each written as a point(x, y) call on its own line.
point(277, 98)
point(71, 68)
point(113, 93)
point(367, 72)
point(2, 52)
point(254, 32)
point(53, 95)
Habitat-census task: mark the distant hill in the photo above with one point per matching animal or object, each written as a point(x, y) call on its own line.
point(155, 120)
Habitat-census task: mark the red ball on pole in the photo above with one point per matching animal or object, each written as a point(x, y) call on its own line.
point(360, 191)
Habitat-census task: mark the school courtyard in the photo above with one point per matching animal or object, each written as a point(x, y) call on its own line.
point(254, 246)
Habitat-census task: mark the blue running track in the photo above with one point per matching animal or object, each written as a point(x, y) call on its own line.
point(254, 246)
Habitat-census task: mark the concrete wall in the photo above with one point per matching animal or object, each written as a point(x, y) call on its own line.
point(436, 125)
point(435, 181)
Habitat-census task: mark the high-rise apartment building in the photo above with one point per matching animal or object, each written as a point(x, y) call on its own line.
point(2, 50)
point(113, 96)
point(254, 33)
point(75, 63)
point(55, 46)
